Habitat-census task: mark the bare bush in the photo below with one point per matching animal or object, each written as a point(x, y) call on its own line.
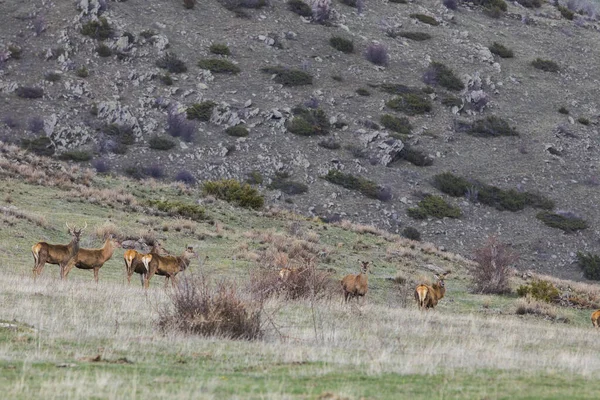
point(493, 266)
point(202, 308)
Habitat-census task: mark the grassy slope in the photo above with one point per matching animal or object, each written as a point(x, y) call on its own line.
point(470, 347)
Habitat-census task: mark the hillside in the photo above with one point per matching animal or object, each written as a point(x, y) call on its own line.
point(109, 109)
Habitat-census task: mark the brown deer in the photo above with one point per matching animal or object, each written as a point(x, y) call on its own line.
point(93, 258)
point(58, 254)
point(133, 261)
point(427, 296)
point(357, 285)
point(596, 319)
point(168, 266)
point(285, 273)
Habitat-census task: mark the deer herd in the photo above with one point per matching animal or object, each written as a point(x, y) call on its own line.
point(159, 262)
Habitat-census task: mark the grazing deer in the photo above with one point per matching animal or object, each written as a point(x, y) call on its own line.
point(168, 266)
point(58, 254)
point(133, 261)
point(428, 296)
point(357, 285)
point(596, 319)
point(93, 258)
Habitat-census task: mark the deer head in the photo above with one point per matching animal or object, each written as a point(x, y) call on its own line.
point(365, 266)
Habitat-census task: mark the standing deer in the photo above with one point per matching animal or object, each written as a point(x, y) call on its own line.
point(134, 263)
point(93, 258)
point(428, 296)
point(58, 254)
point(596, 319)
point(168, 266)
point(357, 285)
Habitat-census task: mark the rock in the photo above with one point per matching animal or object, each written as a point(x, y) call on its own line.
point(388, 151)
point(114, 113)
point(248, 103)
point(122, 44)
point(161, 42)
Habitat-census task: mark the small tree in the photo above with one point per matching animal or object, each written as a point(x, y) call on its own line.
point(492, 271)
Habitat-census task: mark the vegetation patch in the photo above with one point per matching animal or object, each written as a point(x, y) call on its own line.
point(492, 126)
point(288, 186)
point(451, 101)
point(52, 77)
point(411, 233)
point(545, 65)
point(219, 66)
point(308, 122)
point(416, 36)
point(178, 208)
point(235, 192)
point(434, 206)
point(299, 7)
point(363, 92)
point(501, 50)
point(350, 3)
point(492, 269)
point(171, 63)
point(28, 92)
point(341, 44)
point(410, 104)
point(358, 183)
point(590, 265)
point(82, 72)
point(41, 146)
point(583, 121)
point(426, 19)
point(565, 12)
point(540, 290)
point(415, 157)
point(237, 131)
point(439, 74)
point(289, 77)
point(565, 221)
point(201, 111)
point(330, 144)
point(219, 49)
point(161, 143)
point(123, 134)
point(395, 124)
point(99, 29)
point(563, 110)
point(76, 155)
point(103, 50)
point(530, 3)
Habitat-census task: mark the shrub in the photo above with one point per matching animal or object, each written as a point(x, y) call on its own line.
point(103, 50)
point(254, 178)
point(438, 74)
point(99, 29)
point(15, 52)
point(166, 79)
point(305, 282)
point(179, 126)
point(451, 101)
point(360, 184)
point(377, 54)
point(341, 44)
point(330, 144)
point(415, 157)
point(565, 12)
point(450, 184)
point(528, 305)
point(398, 1)
point(219, 66)
point(411, 233)
point(237, 131)
point(288, 186)
point(28, 92)
point(583, 121)
point(161, 143)
point(123, 134)
point(10, 122)
point(178, 208)
point(185, 177)
point(398, 88)
point(545, 65)
point(235, 192)
point(563, 110)
point(101, 165)
point(501, 50)
point(492, 126)
point(82, 72)
point(42, 145)
point(426, 19)
point(189, 4)
point(363, 92)
point(395, 124)
point(147, 34)
point(76, 155)
point(289, 77)
point(434, 206)
point(52, 77)
point(540, 290)
point(154, 171)
point(299, 7)
point(566, 222)
point(410, 104)
point(349, 3)
point(134, 172)
point(201, 111)
point(357, 151)
point(171, 63)
point(220, 49)
point(530, 3)
point(35, 124)
point(416, 36)
point(590, 265)
point(308, 122)
point(451, 4)
point(492, 270)
point(201, 308)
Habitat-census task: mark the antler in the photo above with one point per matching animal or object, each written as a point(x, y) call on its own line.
point(84, 227)
point(68, 227)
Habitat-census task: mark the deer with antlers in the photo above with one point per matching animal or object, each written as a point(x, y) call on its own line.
point(357, 285)
point(168, 266)
point(58, 254)
point(428, 296)
point(134, 263)
point(93, 258)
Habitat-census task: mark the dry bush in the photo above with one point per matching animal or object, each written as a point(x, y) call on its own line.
point(493, 269)
point(311, 236)
point(18, 214)
point(115, 197)
point(106, 229)
point(529, 305)
point(574, 294)
point(203, 308)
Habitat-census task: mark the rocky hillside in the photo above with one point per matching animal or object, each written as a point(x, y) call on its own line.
point(355, 110)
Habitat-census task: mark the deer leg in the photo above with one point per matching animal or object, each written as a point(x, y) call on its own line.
point(65, 271)
point(148, 277)
point(167, 281)
point(142, 277)
point(96, 273)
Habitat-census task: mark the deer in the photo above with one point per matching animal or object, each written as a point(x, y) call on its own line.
point(93, 258)
point(427, 296)
point(133, 261)
point(357, 285)
point(596, 319)
point(168, 266)
point(59, 254)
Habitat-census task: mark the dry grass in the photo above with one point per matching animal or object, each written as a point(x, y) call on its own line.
point(106, 229)
point(574, 294)
point(14, 212)
point(529, 305)
point(115, 197)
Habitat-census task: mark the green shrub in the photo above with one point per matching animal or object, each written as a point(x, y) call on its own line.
point(289, 77)
point(237, 131)
point(330, 144)
point(501, 50)
point(415, 157)
point(411, 233)
point(15, 52)
point(161, 143)
point(337, 78)
point(219, 66)
point(299, 7)
point(173, 207)
point(171, 63)
point(416, 36)
point(540, 290)
point(545, 65)
point(189, 4)
point(452, 185)
point(147, 34)
point(565, 222)
point(360, 184)
point(590, 265)
point(563, 110)
point(349, 3)
point(583, 121)
point(434, 206)
point(201, 111)
point(451, 101)
point(76, 155)
point(52, 77)
point(288, 186)
point(363, 92)
point(123, 134)
point(166, 79)
point(565, 12)
point(235, 192)
point(439, 74)
point(42, 145)
point(341, 44)
point(395, 124)
point(492, 126)
point(399, 1)
point(356, 150)
point(220, 49)
point(82, 72)
point(99, 29)
point(410, 104)
point(426, 19)
point(530, 3)
point(308, 122)
point(103, 50)
point(398, 88)
point(254, 178)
